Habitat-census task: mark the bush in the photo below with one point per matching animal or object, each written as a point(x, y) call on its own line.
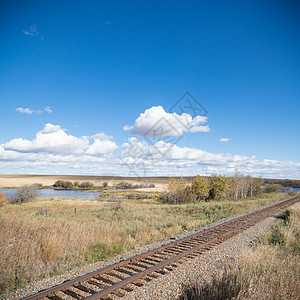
point(124, 185)
point(105, 184)
point(3, 200)
point(86, 185)
point(225, 285)
point(24, 194)
point(200, 187)
point(63, 184)
point(292, 193)
point(127, 185)
point(219, 187)
point(178, 192)
point(271, 188)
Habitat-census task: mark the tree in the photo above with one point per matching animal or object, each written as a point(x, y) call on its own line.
point(3, 200)
point(24, 194)
point(200, 187)
point(178, 191)
point(86, 185)
point(219, 186)
point(62, 184)
point(255, 187)
point(271, 188)
point(240, 186)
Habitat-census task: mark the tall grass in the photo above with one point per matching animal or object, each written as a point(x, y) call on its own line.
point(34, 245)
point(269, 271)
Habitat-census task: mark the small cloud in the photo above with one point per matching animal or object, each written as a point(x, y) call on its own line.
point(107, 22)
point(48, 109)
point(224, 140)
point(30, 111)
point(24, 110)
point(32, 31)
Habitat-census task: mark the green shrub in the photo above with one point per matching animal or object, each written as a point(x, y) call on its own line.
point(63, 184)
point(86, 185)
point(271, 188)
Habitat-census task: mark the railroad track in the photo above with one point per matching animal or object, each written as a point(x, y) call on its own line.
point(124, 275)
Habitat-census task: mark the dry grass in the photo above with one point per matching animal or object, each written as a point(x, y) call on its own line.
point(270, 271)
point(33, 245)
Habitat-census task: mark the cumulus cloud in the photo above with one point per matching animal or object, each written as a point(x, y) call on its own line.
point(155, 122)
point(54, 139)
point(30, 111)
point(224, 140)
point(54, 149)
point(165, 159)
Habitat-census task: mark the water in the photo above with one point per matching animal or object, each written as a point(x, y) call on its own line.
point(67, 194)
point(294, 189)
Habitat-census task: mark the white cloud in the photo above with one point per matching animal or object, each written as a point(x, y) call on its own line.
point(155, 121)
point(224, 140)
point(167, 159)
point(53, 150)
point(30, 111)
point(53, 139)
point(24, 110)
point(48, 109)
point(32, 31)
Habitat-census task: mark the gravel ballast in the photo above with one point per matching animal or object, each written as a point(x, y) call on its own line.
point(168, 286)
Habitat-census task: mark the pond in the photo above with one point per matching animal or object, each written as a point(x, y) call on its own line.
point(294, 189)
point(67, 194)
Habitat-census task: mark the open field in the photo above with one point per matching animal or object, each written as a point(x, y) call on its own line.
point(48, 180)
point(36, 245)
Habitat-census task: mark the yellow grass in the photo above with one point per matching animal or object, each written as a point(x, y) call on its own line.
point(34, 245)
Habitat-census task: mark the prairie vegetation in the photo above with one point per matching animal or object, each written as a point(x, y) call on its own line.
point(123, 185)
point(68, 185)
point(127, 185)
point(35, 245)
point(24, 194)
point(3, 200)
point(217, 187)
point(269, 271)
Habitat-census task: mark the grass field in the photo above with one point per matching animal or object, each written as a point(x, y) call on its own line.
point(35, 245)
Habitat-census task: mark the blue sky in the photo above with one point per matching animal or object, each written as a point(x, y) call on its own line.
point(96, 66)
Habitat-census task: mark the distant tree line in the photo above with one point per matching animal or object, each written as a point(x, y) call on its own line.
point(68, 185)
point(126, 185)
point(217, 187)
